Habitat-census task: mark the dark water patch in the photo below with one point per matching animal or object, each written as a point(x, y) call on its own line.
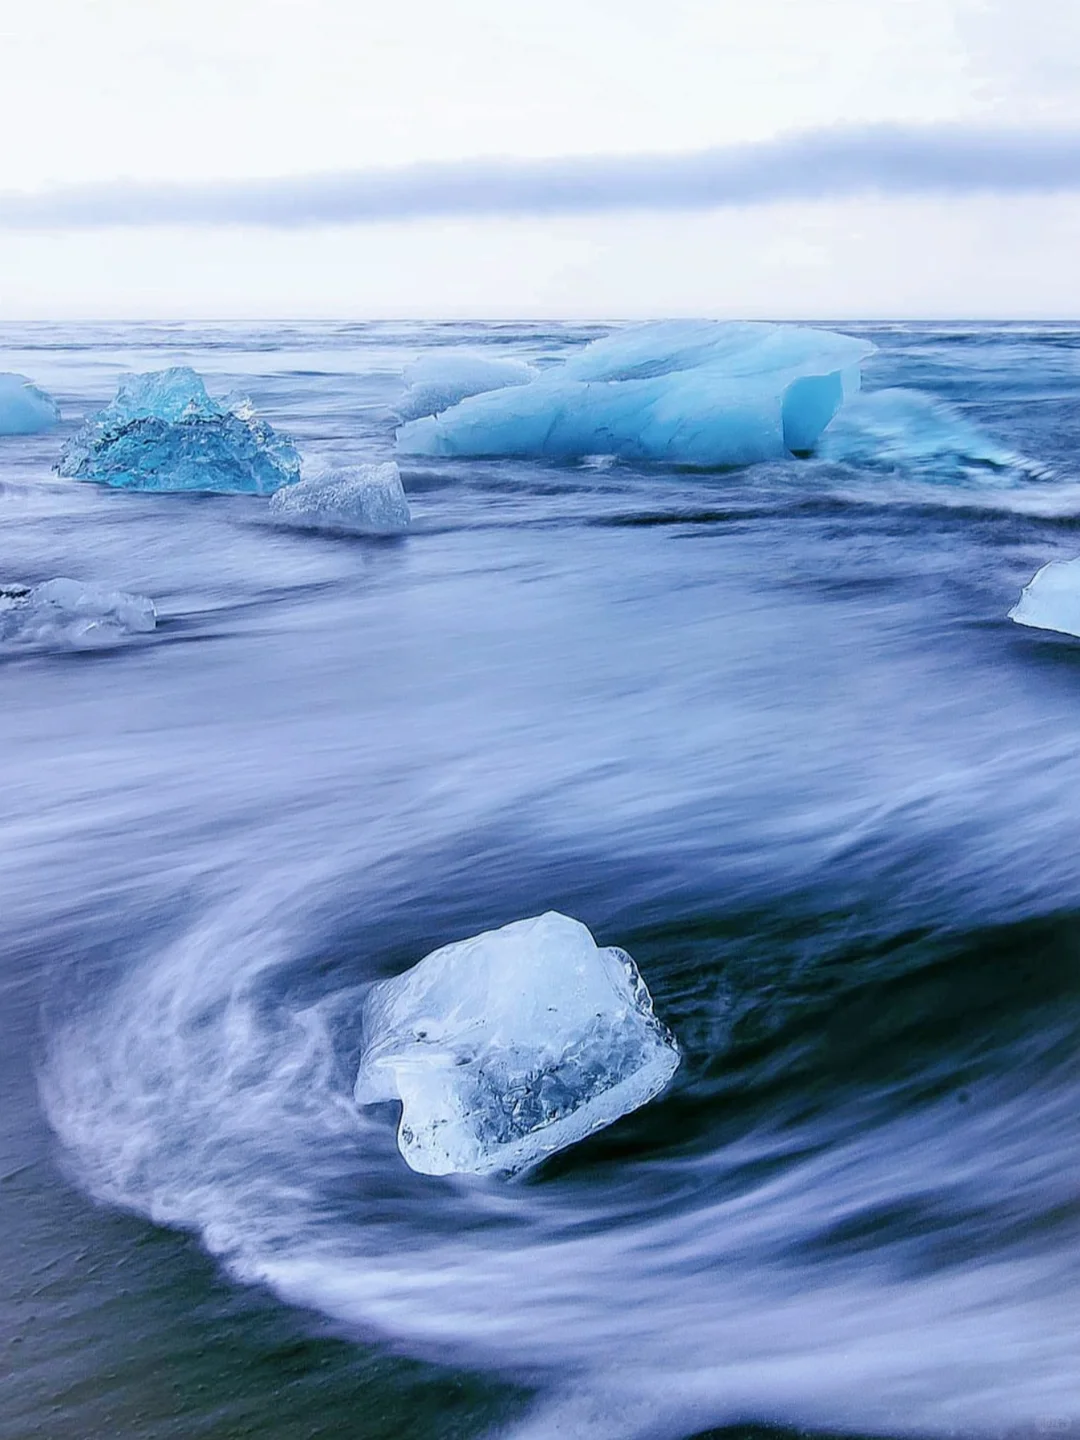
point(179, 1352)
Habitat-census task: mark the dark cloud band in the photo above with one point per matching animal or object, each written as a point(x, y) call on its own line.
point(887, 160)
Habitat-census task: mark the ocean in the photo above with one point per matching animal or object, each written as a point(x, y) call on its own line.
point(768, 729)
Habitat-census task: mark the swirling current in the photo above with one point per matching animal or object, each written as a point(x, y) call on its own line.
point(767, 729)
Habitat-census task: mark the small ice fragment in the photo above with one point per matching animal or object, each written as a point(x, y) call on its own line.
point(164, 432)
point(68, 613)
point(908, 431)
point(438, 380)
point(507, 1047)
point(697, 393)
point(1051, 599)
point(361, 499)
point(24, 409)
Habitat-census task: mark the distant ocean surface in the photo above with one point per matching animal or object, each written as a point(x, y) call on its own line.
point(768, 729)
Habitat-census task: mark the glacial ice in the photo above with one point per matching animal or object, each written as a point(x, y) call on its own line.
point(1051, 599)
point(511, 1045)
point(164, 432)
point(24, 409)
point(171, 395)
point(361, 499)
point(696, 393)
point(68, 613)
point(436, 381)
point(907, 431)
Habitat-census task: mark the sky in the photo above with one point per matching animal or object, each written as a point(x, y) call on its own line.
point(578, 158)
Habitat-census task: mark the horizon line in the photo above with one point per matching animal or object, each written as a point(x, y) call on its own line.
point(536, 319)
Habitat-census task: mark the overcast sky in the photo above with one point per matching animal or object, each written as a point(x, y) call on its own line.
point(202, 158)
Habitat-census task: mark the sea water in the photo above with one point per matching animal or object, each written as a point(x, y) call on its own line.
point(768, 729)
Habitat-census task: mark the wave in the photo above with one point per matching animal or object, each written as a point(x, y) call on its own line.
point(852, 1212)
point(911, 432)
point(767, 729)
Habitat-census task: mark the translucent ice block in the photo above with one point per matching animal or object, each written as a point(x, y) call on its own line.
point(696, 393)
point(441, 379)
point(164, 432)
point(1051, 599)
point(24, 409)
point(507, 1047)
point(68, 613)
point(361, 499)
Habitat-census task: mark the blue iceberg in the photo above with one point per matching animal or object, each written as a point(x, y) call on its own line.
point(696, 393)
point(164, 432)
point(67, 613)
point(437, 381)
point(906, 431)
point(1051, 599)
point(507, 1047)
point(352, 499)
point(24, 409)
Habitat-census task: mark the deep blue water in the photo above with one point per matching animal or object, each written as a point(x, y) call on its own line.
point(769, 730)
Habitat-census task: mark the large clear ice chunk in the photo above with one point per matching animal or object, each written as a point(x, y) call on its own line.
point(1051, 599)
point(164, 432)
point(438, 380)
point(25, 409)
point(354, 499)
point(69, 614)
point(696, 393)
point(507, 1047)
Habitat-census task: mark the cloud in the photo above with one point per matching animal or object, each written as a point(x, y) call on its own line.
point(812, 165)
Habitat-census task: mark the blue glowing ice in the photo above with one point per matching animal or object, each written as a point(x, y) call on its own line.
point(164, 432)
point(697, 393)
point(24, 409)
point(507, 1047)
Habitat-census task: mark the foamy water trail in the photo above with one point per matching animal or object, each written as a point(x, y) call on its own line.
point(203, 1094)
